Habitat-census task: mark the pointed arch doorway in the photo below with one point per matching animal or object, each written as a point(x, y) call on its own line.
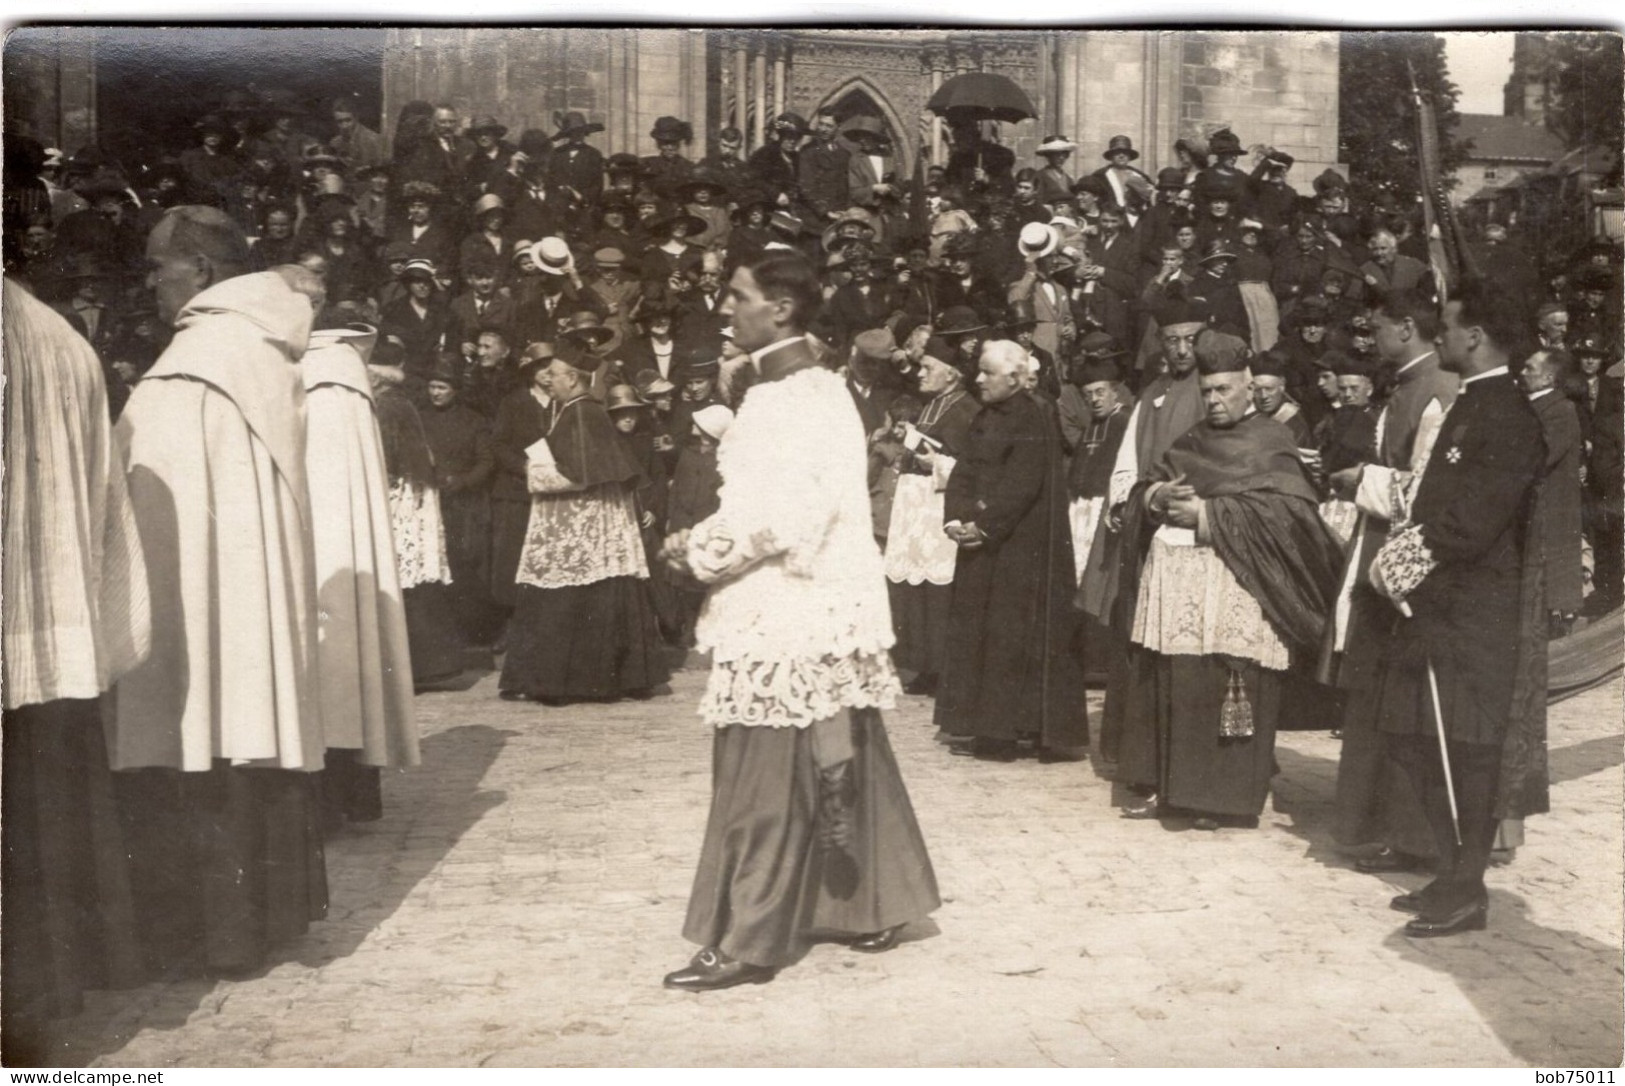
point(858, 97)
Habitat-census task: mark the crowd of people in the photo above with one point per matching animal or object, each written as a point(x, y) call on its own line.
point(1199, 437)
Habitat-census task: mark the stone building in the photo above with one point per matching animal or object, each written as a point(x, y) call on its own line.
point(69, 87)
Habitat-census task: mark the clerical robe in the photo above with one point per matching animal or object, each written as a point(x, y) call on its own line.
point(584, 624)
point(1012, 666)
point(1223, 609)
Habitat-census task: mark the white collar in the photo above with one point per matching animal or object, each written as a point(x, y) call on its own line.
point(1411, 363)
point(757, 356)
point(1537, 395)
point(1498, 371)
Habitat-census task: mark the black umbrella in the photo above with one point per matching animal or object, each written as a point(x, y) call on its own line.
point(981, 96)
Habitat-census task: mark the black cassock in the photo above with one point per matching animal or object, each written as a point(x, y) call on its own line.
point(1013, 667)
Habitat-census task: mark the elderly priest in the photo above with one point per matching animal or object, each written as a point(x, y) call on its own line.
point(1238, 577)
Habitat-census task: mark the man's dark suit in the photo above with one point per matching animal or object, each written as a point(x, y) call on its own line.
point(578, 167)
point(825, 178)
point(1472, 505)
point(535, 211)
point(467, 320)
point(1557, 511)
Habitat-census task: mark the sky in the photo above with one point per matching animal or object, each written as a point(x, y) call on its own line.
point(1479, 65)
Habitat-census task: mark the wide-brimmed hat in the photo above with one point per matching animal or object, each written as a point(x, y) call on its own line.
point(1038, 239)
point(574, 123)
point(960, 320)
point(536, 353)
point(1223, 142)
point(418, 268)
point(667, 224)
point(741, 214)
point(701, 179)
point(1593, 277)
point(585, 329)
point(1590, 343)
point(488, 202)
point(488, 124)
point(863, 122)
point(839, 229)
point(713, 420)
point(1195, 147)
point(622, 398)
point(1120, 143)
point(553, 256)
point(1099, 187)
point(1055, 145)
point(1273, 157)
point(650, 384)
point(671, 130)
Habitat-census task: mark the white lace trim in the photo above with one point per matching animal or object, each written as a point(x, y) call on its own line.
point(1190, 604)
point(797, 692)
point(420, 534)
point(1340, 516)
point(917, 549)
point(579, 538)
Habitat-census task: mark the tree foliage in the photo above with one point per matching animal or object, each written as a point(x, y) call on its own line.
point(1583, 70)
point(1376, 116)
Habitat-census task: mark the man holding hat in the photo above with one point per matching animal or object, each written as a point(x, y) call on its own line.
point(1051, 306)
point(583, 624)
point(1273, 201)
point(1239, 576)
point(574, 168)
point(1054, 182)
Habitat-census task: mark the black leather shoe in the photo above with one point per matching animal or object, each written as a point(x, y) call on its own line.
point(877, 942)
point(1203, 822)
point(712, 970)
point(1473, 916)
point(1413, 902)
point(1388, 859)
point(1143, 808)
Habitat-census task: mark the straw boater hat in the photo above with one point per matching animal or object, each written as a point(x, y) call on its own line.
point(552, 255)
point(1038, 239)
point(1054, 145)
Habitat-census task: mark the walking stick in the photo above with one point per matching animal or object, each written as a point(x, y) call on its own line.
point(1438, 728)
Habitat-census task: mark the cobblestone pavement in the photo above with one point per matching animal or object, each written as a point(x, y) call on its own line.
point(524, 893)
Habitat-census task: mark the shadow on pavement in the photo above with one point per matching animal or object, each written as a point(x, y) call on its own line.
point(371, 869)
point(1585, 758)
point(1551, 996)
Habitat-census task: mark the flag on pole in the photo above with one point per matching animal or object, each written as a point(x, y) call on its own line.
point(1447, 248)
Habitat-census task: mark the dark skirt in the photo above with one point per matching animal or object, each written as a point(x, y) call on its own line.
point(67, 920)
point(1171, 739)
point(599, 640)
point(226, 865)
point(919, 618)
point(509, 522)
point(351, 791)
point(432, 632)
point(764, 890)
